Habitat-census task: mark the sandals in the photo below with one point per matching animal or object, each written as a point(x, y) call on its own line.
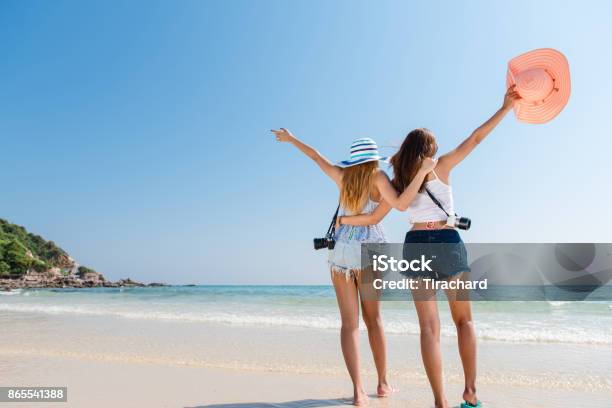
point(466, 404)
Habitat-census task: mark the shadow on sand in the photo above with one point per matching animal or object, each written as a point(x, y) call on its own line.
point(305, 403)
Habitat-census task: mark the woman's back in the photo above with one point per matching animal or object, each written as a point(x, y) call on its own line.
point(346, 256)
point(360, 233)
point(424, 209)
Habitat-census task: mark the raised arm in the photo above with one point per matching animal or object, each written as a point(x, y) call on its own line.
point(372, 218)
point(454, 157)
point(402, 201)
point(334, 172)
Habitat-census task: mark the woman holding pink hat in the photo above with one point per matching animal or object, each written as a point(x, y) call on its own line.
point(538, 89)
point(431, 211)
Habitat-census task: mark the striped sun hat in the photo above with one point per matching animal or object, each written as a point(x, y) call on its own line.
point(362, 151)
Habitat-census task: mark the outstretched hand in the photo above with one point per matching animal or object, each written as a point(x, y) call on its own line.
point(510, 98)
point(283, 135)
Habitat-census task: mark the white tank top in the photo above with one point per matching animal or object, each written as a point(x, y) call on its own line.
point(423, 209)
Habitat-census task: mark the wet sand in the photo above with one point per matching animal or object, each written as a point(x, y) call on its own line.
point(109, 361)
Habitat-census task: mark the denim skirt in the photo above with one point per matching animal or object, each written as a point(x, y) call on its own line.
point(443, 246)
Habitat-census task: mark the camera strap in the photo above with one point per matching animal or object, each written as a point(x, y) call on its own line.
point(332, 226)
point(437, 202)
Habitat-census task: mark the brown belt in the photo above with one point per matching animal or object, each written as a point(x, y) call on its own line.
point(430, 225)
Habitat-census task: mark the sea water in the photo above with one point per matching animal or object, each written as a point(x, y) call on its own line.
point(315, 307)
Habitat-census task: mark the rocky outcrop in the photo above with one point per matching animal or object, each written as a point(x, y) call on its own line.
point(64, 261)
point(55, 279)
point(29, 261)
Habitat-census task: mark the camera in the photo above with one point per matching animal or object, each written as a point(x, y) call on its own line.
point(463, 223)
point(328, 242)
point(320, 243)
point(453, 221)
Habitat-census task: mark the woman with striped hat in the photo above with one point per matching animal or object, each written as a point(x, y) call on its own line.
point(355, 179)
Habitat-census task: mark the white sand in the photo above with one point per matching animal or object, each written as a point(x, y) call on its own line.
point(116, 362)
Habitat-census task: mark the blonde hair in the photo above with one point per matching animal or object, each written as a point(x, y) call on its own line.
point(357, 183)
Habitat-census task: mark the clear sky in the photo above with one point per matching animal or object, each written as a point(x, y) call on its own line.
point(136, 134)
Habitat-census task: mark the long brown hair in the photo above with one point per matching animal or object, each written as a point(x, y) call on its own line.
point(357, 183)
point(418, 144)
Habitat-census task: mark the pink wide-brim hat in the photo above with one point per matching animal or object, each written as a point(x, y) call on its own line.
point(542, 80)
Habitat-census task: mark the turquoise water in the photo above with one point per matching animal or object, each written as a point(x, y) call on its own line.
point(583, 322)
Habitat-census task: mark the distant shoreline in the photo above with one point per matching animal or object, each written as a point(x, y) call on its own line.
point(72, 282)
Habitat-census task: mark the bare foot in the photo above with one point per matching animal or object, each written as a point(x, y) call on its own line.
point(384, 390)
point(441, 404)
point(469, 395)
point(360, 398)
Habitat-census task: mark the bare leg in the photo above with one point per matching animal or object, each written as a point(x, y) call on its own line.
point(348, 302)
point(461, 311)
point(429, 323)
point(370, 308)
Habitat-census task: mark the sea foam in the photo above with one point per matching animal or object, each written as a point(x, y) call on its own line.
point(497, 329)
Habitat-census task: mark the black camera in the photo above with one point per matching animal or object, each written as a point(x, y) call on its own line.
point(328, 242)
point(463, 223)
point(320, 243)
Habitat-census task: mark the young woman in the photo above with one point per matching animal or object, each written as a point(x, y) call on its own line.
point(358, 194)
point(429, 226)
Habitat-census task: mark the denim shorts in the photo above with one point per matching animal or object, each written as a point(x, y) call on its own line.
point(444, 246)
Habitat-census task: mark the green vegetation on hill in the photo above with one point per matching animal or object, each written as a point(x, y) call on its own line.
point(83, 270)
point(21, 250)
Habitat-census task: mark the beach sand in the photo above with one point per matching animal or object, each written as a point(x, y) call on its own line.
point(109, 361)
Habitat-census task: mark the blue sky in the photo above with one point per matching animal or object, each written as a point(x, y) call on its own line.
point(137, 135)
